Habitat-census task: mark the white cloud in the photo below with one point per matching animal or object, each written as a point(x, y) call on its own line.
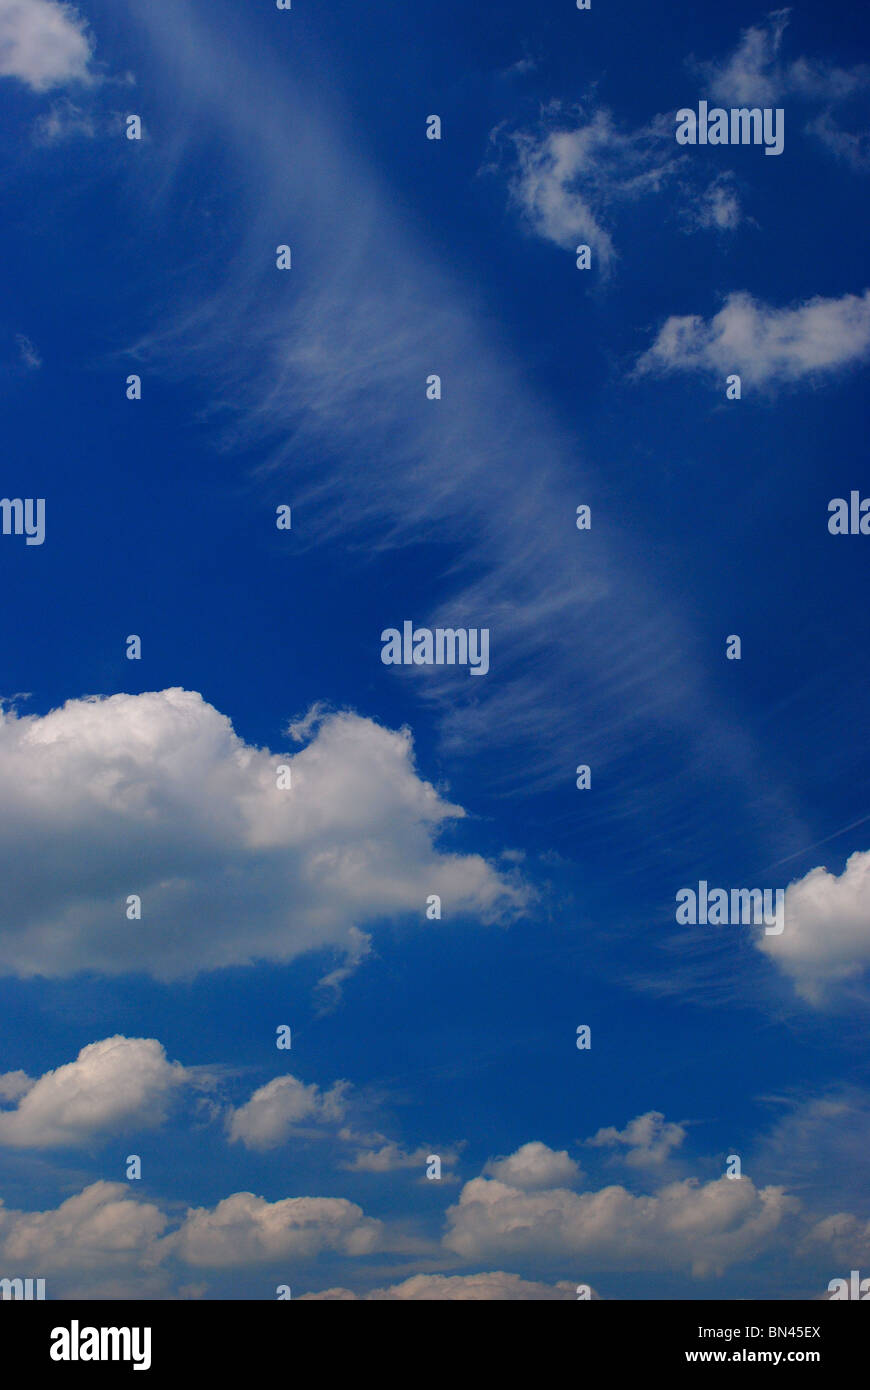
point(567, 178)
point(491, 1287)
point(44, 44)
point(276, 1109)
point(824, 948)
point(534, 1165)
point(247, 1230)
point(749, 74)
point(113, 1084)
point(753, 74)
point(155, 795)
point(14, 1084)
point(647, 1139)
point(765, 345)
point(97, 1228)
point(719, 206)
point(392, 1158)
point(686, 1224)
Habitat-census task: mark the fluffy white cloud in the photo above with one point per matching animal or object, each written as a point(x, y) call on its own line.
point(534, 1165)
point(566, 178)
point(247, 1230)
point(276, 1109)
point(43, 43)
point(825, 945)
point(97, 1228)
point(118, 1082)
point(155, 795)
point(647, 1139)
point(491, 1287)
point(764, 344)
point(686, 1224)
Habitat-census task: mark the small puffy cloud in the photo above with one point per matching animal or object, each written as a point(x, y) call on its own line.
point(534, 1165)
point(705, 1227)
point(280, 1107)
point(765, 345)
point(824, 948)
point(718, 208)
point(116, 1083)
point(98, 1228)
point(43, 44)
point(155, 795)
point(248, 1230)
point(647, 1140)
point(566, 178)
point(477, 1288)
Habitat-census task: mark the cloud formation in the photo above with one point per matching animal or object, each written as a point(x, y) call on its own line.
point(647, 1140)
point(154, 795)
point(113, 1084)
point(43, 44)
point(533, 1166)
point(764, 344)
point(490, 1287)
point(702, 1227)
point(568, 177)
point(825, 946)
point(247, 1230)
point(276, 1109)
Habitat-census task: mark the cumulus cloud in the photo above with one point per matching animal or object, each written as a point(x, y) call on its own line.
point(248, 1230)
point(278, 1108)
point(155, 795)
point(705, 1227)
point(765, 345)
point(43, 44)
point(118, 1082)
point(534, 1165)
point(567, 178)
point(97, 1228)
point(14, 1084)
point(495, 1286)
point(824, 948)
point(647, 1139)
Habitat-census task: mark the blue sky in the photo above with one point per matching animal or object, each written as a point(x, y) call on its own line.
point(260, 647)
